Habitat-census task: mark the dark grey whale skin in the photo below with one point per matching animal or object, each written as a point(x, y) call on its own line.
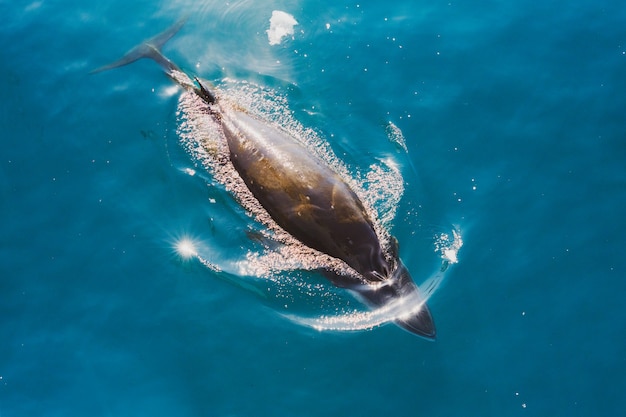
point(304, 196)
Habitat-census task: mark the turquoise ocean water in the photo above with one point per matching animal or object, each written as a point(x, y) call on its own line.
point(514, 119)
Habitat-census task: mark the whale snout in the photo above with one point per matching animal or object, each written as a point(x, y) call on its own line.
point(402, 297)
point(420, 323)
point(417, 318)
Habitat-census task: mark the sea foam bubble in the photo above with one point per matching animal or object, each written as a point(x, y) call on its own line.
point(281, 25)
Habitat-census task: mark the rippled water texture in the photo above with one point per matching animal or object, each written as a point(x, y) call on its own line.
point(489, 139)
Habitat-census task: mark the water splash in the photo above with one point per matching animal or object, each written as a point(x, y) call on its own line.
point(448, 247)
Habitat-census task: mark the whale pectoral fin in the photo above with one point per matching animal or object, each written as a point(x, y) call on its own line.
point(264, 240)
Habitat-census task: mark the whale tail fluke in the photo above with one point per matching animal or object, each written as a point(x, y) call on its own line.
point(150, 48)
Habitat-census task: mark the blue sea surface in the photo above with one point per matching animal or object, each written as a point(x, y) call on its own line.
point(514, 117)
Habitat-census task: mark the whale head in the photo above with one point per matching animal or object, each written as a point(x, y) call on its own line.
point(401, 296)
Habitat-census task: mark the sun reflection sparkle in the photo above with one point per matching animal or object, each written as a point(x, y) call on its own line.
point(186, 248)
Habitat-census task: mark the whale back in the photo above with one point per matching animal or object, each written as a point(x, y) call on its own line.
point(302, 194)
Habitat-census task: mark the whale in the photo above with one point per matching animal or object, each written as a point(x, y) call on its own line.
point(304, 196)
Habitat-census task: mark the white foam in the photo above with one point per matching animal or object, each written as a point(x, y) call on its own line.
point(281, 26)
point(448, 246)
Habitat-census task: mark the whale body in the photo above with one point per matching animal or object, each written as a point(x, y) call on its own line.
point(304, 196)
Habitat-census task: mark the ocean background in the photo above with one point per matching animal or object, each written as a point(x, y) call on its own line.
point(514, 120)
